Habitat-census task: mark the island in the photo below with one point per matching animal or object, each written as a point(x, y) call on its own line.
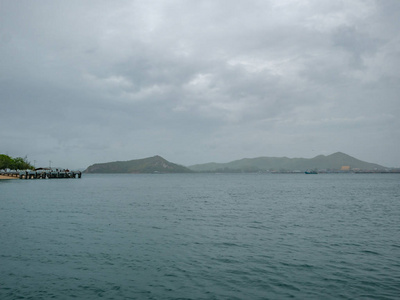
point(155, 164)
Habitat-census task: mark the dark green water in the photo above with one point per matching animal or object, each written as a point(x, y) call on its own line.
point(201, 236)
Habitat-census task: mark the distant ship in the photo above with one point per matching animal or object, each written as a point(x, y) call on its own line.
point(311, 172)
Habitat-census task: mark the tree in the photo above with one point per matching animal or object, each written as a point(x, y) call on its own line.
point(7, 162)
point(22, 163)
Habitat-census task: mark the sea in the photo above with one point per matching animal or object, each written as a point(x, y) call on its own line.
point(201, 236)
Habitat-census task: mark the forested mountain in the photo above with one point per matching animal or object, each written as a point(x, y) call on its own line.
point(321, 162)
point(155, 164)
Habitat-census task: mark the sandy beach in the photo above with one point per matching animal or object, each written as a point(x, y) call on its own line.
point(7, 177)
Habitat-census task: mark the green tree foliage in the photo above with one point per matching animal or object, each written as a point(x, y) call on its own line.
point(22, 163)
point(7, 162)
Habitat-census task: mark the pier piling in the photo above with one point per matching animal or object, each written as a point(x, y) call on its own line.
point(41, 174)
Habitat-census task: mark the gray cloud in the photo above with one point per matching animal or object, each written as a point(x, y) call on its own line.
point(94, 81)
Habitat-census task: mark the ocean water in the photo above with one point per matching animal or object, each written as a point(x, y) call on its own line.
point(201, 236)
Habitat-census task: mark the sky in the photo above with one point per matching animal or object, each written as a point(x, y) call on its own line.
point(84, 82)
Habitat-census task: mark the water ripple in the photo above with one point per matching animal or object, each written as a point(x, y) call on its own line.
point(201, 236)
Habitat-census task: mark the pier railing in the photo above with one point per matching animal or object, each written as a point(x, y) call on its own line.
point(41, 174)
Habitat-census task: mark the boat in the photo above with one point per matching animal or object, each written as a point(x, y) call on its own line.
point(311, 172)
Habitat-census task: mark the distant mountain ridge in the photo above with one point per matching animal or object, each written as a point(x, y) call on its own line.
point(155, 164)
point(333, 162)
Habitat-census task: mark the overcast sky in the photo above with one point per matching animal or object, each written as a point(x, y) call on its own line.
point(84, 82)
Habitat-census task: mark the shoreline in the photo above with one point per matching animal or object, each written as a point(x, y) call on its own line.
point(7, 177)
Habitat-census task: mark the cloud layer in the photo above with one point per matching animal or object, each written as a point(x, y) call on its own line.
point(199, 81)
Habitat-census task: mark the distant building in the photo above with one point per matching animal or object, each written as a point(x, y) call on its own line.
point(345, 168)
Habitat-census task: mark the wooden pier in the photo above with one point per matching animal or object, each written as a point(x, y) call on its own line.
point(41, 174)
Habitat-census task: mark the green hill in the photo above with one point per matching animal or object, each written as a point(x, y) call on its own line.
point(155, 164)
point(332, 162)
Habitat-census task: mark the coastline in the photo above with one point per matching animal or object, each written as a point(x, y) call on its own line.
point(7, 177)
